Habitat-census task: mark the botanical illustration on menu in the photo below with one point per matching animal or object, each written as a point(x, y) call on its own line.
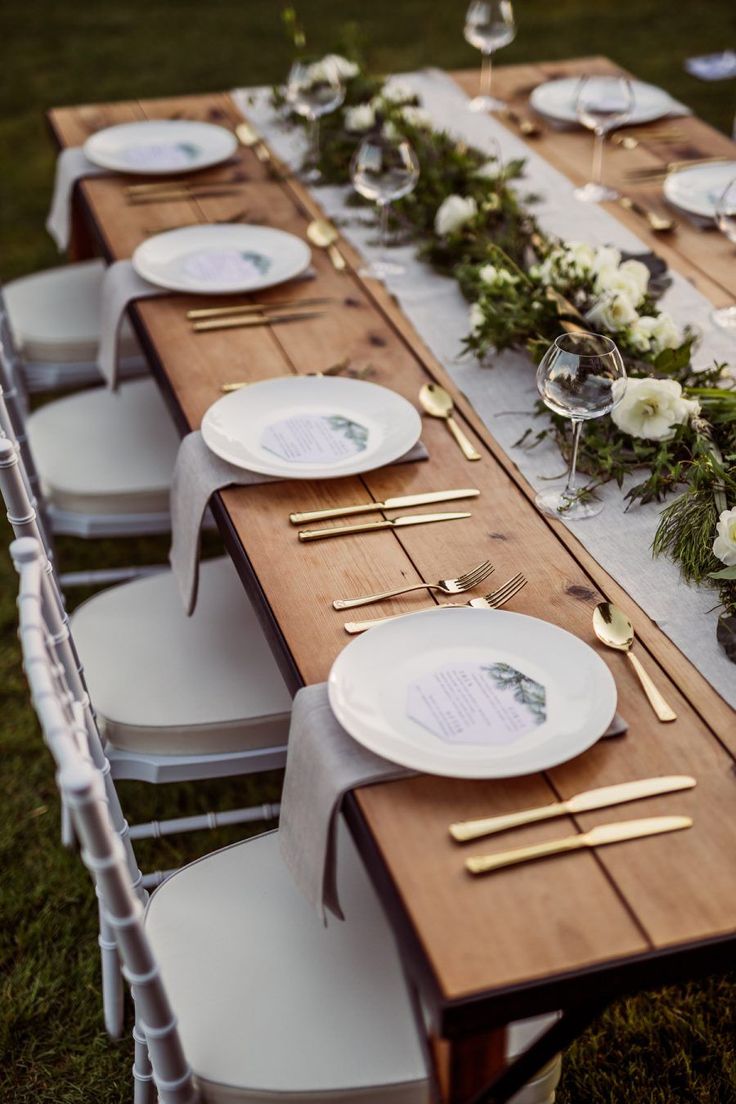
point(226, 266)
point(315, 438)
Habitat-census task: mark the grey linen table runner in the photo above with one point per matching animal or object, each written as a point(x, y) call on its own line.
point(71, 166)
point(198, 474)
point(324, 763)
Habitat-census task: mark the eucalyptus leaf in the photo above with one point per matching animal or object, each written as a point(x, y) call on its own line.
point(726, 634)
point(726, 573)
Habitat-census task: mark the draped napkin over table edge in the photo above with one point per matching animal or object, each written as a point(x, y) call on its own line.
point(323, 763)
point(198, 474)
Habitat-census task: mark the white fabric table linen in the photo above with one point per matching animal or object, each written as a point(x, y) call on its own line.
point(503, 392)
point(121, 285)
point(71, 166)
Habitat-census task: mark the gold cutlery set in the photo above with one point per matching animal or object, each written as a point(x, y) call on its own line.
point(617, 832)
point(175, 189)
point(403, 502)
point(207, 319)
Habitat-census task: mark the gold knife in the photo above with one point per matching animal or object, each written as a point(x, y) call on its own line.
point(597, 837)
point(371, 526)
point(580, 803)
point(251, 320)
point(254, 308)
point(389, 504)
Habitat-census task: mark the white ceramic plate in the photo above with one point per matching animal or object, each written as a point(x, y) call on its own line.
point(699, 188)
point(409, 691)
point(556, 100)
point(159, 148)
point(226, 259)
point(311, 427)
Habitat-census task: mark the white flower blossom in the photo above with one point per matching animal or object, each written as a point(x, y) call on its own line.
point(489, 170)
point(605, 257)
point(724, 546)
point(497, 277)
point(453, 213)
point(650, 333)
point(396, 92)
point(631, 278)
point(340, 66)
point(581, 256)
point(476, 318)
point(416, 117)
point(613, 312)
point(359, 118)
point(653, 408)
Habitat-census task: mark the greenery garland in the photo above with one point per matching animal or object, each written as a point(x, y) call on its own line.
point(676, 427)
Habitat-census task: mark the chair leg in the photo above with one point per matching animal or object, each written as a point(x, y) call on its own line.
point(68, 835)
point(112, 981)
point(144, 1089)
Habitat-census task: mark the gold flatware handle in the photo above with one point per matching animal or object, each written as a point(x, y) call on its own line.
point(253, 308)
point(209, 324)
point(179, 194)
point(338, 261)
point(343, 530)
point(656, 699)
point(483, 864)
point(335, 511)
point(355, 627)
point(465, 830)
point(466, 445)
point(368, 599)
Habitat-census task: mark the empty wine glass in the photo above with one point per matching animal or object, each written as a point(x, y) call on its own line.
point(725, 317)
point(489, 25)
point(384, 168)
point(601, 104)
point(581, 376)
point(314, 89)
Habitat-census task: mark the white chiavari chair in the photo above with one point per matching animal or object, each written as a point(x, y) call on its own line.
point(54, 316)
point(241, 993)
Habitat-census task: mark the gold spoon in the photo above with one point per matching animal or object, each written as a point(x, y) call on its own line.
point(324, 235)
point(658, 224)
point(435, 401)
point(612, 627)
point(249, 138)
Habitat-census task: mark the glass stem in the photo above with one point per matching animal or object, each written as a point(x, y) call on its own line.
point(486, 73)
point(383, 230)
point(577, 426)
point(314, 141)
point(600, 138)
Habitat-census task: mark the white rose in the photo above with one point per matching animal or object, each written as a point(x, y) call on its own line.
point(416, 117)
point(605, 257)
point(453, 213)
point(476, 318)
point(613, 312)
point(652, 408)
point(631, 278)
point(489, 170)
point(724, 546)
point(640, 333)
point(665, 333)
point(496, 277)
point(359, 118)
point(581, 256)
point(341, 66)
point(397, 93)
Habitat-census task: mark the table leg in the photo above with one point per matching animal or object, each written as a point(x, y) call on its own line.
point(464, 1066)
point(81, 240)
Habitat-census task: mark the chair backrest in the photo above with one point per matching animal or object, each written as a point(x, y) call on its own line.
point(84, 790)
point(11, 364)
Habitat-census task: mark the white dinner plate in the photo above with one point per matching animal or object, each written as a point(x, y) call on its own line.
point(698, 188)
point(160, 147)
point(225, 259)
point(556, 100)
point(471, 693)
point(311, 427)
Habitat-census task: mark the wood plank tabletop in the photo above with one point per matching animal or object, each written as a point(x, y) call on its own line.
point(518, 938)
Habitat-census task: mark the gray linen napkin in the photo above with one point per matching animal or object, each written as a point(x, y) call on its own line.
point(121, 284)
point(323, 763)
point(71, 166)
point(198, 474)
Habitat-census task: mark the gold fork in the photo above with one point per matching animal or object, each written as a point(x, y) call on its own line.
point(494, 600)
point(446, 586)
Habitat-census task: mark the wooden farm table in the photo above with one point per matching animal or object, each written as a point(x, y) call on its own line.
point(572, 933)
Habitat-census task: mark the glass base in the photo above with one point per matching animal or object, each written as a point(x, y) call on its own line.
point(379, 270)
point(595, 193)
point(725, 318)
point(487, 103)
point(310, 175)
point(567, 507)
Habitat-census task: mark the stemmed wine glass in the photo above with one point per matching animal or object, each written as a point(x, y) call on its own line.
point(601, 104)
point(725, 317)
point(384, 168)
point(489, 25)
point(314, 89)
point(581, 376)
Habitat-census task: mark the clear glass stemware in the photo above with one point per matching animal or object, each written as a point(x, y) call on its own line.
point(313, 89)
point(725, 317)
point(601, 104)
point(489, 26)
point(384, 168)
point(581, 376)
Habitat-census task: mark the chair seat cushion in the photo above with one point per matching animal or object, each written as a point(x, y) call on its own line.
point(54, 314)
point(104, 452)
point(167, 684)
point(271, 1004)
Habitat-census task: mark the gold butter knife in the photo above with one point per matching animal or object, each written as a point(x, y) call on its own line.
point(580, 803)
point(597, 837)
point(251, 320)
point(372, 526)
point(389, 504)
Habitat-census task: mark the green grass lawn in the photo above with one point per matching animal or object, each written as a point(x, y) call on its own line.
point(671, 1047)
